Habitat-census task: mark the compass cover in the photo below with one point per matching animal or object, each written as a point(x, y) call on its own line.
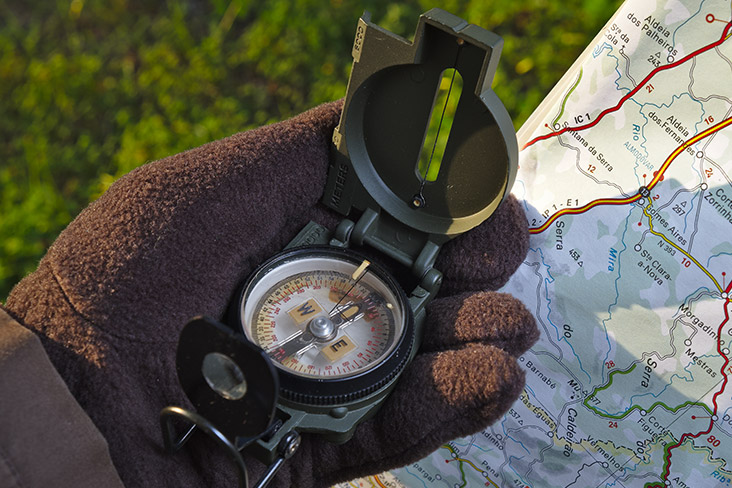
point(394, 94)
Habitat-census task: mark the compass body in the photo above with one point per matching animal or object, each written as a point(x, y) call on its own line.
point(338, 331)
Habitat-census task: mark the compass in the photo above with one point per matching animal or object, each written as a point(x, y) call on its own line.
point(319, 334)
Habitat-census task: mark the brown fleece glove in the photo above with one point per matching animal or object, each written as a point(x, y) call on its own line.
point(174, 238)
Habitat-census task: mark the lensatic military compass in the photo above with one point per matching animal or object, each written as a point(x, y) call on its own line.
point(320, 333)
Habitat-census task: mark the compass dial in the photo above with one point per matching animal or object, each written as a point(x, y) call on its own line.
point(328, 315)
point(315, 319)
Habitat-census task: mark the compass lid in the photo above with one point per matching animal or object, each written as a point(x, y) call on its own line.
point(385, 163)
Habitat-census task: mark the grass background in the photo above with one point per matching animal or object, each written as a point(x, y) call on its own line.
point(90, 89)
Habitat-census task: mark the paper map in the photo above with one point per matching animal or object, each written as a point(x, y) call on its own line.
point(626, 174)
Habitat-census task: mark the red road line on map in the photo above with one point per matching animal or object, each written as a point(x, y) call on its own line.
point(667, 162)
point(634, 90)
point(667, 461)
point(659, 174)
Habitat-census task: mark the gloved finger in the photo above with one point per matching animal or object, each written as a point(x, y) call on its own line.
point(491, 318)
point(440, 396)
point(172, 239)
point(486, 256)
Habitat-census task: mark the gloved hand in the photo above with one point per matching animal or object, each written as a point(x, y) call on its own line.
point(174, 238)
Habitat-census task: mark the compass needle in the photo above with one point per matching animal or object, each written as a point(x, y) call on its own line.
point(356, 276)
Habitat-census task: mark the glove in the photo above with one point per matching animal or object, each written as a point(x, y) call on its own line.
point(174, 239)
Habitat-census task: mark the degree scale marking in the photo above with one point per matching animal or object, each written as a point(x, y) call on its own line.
point(285, 294)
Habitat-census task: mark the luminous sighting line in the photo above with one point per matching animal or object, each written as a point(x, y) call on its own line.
point(419, 198)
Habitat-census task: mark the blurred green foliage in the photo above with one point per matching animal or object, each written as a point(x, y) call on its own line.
point(90, 89)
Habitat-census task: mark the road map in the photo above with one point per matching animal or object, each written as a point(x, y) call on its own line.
point(626, 175)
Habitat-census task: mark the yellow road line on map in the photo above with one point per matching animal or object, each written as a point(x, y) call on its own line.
point(491, 482)
point(447, 446)
point(650, 224)
point(478, 470)
point(682, 147)
point(650, 186)
point(582, 209)
point(470, 463)
point(371, 479)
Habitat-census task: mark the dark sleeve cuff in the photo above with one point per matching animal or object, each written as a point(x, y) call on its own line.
point(46, 439)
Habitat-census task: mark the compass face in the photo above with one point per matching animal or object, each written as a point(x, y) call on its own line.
point(322, 314)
